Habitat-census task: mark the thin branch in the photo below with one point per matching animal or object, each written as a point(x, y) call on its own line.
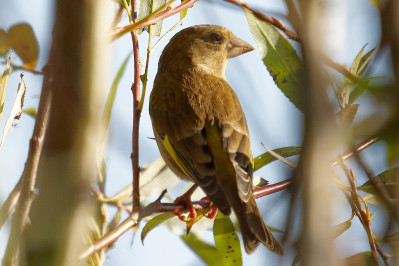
point(26, 69)
point(158, 207)
point(360, 147)
point(152, 19)
point(364, 216)
point(273, 21)
point(270, 189)
point(111, 237)
point(344, 71)
point(27, 194)
point(379, 187)
point(136, 115)
point(10, 203)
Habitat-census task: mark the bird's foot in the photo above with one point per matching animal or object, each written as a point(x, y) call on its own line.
point(212, 210)
point(185, 199)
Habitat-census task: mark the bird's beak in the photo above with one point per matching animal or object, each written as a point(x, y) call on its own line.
point(237, 47)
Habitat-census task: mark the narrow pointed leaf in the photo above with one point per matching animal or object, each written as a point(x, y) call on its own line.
point(146, 8)
point(347, 115)
point(387, 177)
point(183, 13)
point(364, 61)
point(347, 84)
point(360, 259)
point(208, 253)
point(154, 222)
point(111, 95)
point(280, 59)
point(226, 240)
point(339, 229)
point(358, 90)
point(266, 158)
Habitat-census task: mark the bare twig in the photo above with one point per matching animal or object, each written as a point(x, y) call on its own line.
point(26, 69)
point(360, 147)
point(27, 193)
point(152, 19)
point(10, 203)
point(156, 207)
point(379, 187)
point(363, 215)
point(111, 237)
point(270, 189)
point(136, 115)
point(273, 21)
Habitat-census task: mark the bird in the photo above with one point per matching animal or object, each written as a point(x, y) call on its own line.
point(200, 127)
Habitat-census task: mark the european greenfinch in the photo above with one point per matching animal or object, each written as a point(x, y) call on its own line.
point(200, 128)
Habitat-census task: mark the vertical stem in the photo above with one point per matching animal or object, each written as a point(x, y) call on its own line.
point(28, 180)
point(75, 75)
point(316, 247)
point(136, 115)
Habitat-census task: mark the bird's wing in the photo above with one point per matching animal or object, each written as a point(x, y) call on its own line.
point(182, 141)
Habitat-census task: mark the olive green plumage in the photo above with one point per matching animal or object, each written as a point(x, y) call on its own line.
point(200, 128)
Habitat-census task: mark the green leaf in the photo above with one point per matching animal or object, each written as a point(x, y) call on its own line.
point(360, 259)
point(226, 240)
point(4, 83)
point(266, 158)
point(146, 8)
point(208, 253)
point(23, 40)
point(347, 84)
point(364, 61)
point(4, 45)
point(280, 58)
point(387, 178)
point(347, 115)
point(339, 229)
point(358, 90)
point(358, 67)
point(111, 95)
point(372, 199)
point(154, 222)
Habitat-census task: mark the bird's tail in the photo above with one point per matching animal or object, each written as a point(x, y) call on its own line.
point(253, 229)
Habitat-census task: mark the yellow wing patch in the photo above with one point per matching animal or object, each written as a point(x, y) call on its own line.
point(175, 156)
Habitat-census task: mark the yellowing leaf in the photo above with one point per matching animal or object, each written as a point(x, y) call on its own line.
point(375, 3)
point(23, 40)
point(4, 45)
point(183, 13)
point(31, 112)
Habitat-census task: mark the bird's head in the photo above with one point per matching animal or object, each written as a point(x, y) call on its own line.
point(204, 48)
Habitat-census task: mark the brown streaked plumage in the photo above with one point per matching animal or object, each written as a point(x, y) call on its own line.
point(200, 128)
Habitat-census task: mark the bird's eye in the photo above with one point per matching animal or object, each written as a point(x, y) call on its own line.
point(216, 38)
